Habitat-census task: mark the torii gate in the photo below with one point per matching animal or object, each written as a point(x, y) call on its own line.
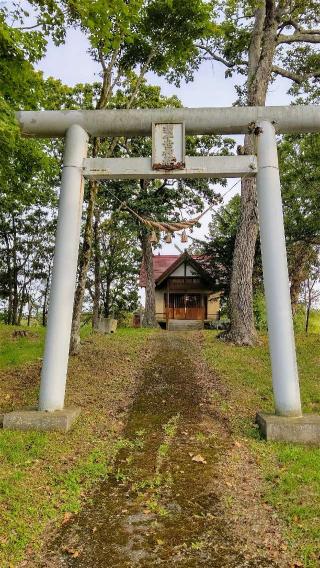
point(167, 127)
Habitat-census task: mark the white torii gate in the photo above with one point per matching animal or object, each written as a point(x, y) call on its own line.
point(264, 122)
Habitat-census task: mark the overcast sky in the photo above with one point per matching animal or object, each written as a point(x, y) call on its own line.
point(72, 64)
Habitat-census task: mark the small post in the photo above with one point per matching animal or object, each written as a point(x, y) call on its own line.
point(275, 274)
point(56, 354)
point(168, 306)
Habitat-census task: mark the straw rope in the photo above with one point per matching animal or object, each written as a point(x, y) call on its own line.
point(164, 226)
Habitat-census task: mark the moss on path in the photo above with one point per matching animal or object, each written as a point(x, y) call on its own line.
point(166, 502)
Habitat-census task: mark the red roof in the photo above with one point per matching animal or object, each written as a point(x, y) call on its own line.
point(161, 263)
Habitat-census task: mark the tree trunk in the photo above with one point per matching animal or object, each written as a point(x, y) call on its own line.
point(300, 258)
point(21, 306)
point(261, 54)
point(15, 295)
point(308, 314)
point(97, 274)
point(29, 311)
point(45, 300)
point(295, 287)
point(9, 279)
point(242, 329)
point(106, 304)
point(83, 269)
point(149, 318)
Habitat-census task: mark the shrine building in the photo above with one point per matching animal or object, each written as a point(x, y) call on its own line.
point(186, 295)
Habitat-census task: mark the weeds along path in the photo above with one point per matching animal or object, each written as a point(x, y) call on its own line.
point(162, 504)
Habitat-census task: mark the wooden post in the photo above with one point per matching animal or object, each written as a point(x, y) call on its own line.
point(168, 305)
point(202, 306)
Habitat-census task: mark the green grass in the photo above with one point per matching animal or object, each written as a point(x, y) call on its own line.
point(44, 476)
point(16, 351)
point(28, 503)
point(292, 472)
point(314, 321)
point(20, 350)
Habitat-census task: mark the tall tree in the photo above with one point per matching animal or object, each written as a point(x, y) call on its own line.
point(29, 168)
point(300, 171)
point(261, 41)
point(145, 36)
point(311, 286)
point(119, 260)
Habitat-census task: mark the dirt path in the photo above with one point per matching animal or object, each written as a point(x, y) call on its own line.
point(163, 505)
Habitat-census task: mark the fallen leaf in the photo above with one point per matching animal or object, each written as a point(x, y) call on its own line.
point(199, 459)
point(66, 518)
point(72, 551)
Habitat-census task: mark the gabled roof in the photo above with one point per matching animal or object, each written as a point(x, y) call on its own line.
point(161, 262)
point(164, 265)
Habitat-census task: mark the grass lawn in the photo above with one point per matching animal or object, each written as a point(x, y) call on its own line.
point(44, 476)
point(16, 351)
point(292, 472)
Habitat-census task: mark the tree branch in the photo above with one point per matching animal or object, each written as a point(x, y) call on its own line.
point(218, 58)
point(294, 76)
point(297, 27)
point(107, 84)
point(302, 36)
point(23, 28)
point(141, 76)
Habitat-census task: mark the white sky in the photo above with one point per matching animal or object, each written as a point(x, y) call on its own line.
point(72, 64)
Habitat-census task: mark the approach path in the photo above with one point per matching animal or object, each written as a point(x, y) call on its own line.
point(166, 502)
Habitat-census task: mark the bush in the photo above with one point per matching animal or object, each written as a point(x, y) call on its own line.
point(125, 319)
point(260, 311)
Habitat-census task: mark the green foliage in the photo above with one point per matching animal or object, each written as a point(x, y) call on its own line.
point(220, 245)
point(109, 25)
point(300, 320)
point(169, 31)
point(119, 267)
point(158, 33)
point(296, 55)
point(222, 234)
point(260, 311)
point(300, 172)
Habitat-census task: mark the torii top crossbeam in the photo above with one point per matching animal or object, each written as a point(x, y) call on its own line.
point(225, 120)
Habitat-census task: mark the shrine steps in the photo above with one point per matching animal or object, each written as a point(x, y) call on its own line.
point(185, 325)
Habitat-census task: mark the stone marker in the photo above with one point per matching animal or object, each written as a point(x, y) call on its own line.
point(304, 429)
point(107, 325)
point(41, 421)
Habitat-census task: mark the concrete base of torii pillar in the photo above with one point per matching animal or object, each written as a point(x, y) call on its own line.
point(40, 420)
point(302, 429)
